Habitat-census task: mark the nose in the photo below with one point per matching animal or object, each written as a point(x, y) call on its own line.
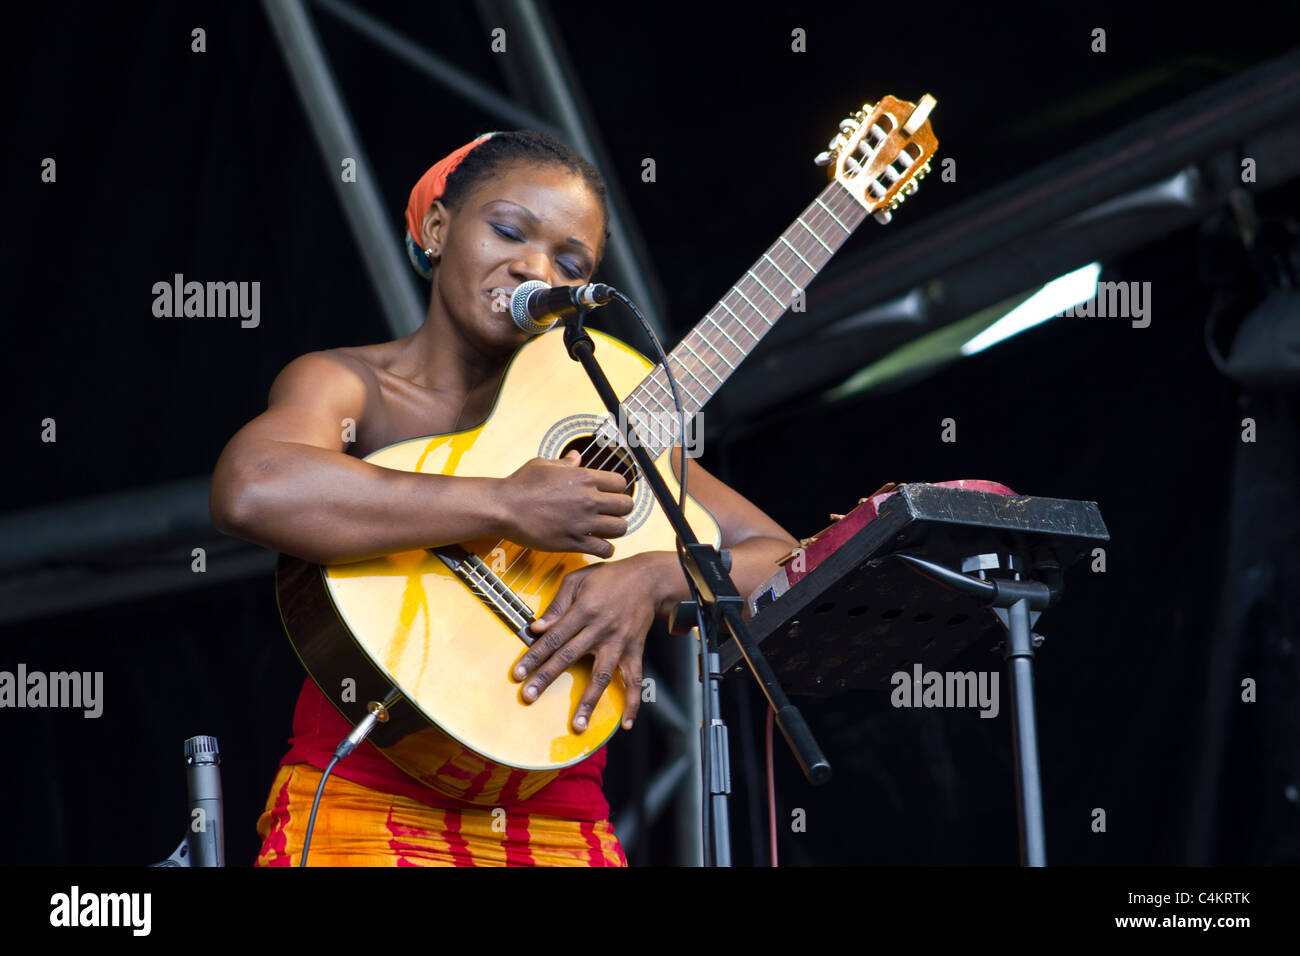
point(535, 265)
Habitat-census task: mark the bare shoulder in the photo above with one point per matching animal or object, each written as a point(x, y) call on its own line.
point(330, 376)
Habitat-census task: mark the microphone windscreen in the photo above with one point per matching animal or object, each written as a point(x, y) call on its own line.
point(519, 307)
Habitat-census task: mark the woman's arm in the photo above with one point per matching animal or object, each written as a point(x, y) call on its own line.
point(285, 482)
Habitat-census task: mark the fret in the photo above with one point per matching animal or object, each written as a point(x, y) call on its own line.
point(729, 338)
point(718, 352)
point(698, 351)
point(687, 342)
point(793, 284)
point(819, 202)
point(666, 402)
point(810, 232)
point(796, 252)
point(737, 321)
point(686, 386)
point(806, 264)
point(765, 288)
point(747, 302)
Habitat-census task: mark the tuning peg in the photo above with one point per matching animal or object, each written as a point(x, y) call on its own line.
point(822, 159)
point(848, 125)
point(911, 188)
point(882, 216)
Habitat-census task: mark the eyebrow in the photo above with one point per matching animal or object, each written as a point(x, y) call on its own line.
point(537, 220)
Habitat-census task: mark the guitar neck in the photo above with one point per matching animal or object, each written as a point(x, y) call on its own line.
point(707, 356)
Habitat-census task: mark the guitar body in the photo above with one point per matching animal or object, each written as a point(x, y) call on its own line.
point(408, 621)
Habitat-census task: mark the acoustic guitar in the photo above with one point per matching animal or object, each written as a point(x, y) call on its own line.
point(428, 638)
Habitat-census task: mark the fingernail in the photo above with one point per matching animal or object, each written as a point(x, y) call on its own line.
point(627, 725)
point(521, 672)
point(530, 692)
point(580, 722)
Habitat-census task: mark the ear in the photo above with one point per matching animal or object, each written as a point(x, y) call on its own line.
point(435, 227)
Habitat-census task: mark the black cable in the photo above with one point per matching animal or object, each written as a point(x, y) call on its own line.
point(315, 805)
point(706, 745)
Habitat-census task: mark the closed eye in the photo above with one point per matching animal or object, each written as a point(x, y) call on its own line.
point(572, 271)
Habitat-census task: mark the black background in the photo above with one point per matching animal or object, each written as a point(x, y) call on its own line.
point(202, 163)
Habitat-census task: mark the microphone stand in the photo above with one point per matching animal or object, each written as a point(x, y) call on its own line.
point(720, 607)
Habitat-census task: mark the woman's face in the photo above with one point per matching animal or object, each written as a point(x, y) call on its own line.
point(525, 222)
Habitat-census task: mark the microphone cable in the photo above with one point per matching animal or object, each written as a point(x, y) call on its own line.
point(706, 735)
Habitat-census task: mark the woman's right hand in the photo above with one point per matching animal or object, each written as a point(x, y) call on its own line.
point(558, 505)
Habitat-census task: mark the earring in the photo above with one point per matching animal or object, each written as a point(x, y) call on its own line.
point(429, 252)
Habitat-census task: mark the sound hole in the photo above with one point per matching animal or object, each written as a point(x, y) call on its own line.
point(604, 457)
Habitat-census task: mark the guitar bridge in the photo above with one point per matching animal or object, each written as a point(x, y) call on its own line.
point(489, 588)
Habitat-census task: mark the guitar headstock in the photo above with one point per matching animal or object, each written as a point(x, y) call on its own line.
point(882, 151)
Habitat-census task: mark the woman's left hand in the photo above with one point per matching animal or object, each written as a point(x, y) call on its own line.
point(602, 609)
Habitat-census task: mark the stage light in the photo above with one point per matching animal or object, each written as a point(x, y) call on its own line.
point(1048, 302)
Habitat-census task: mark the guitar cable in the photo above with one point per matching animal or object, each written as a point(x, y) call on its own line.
point(348, 744)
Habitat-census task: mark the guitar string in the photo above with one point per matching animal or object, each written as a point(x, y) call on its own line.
point(838, 208)
point(842, 204)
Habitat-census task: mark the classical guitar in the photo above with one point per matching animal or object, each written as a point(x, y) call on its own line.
point(428, 638)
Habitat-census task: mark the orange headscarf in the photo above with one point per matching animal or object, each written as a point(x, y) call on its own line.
point(429, 189)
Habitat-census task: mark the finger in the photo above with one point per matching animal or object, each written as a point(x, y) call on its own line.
point(602, 672)
point(593, 544)
point(608, 527)
point(610, 481)
point(615, 504)
point(554, 612)
point(556, 623)
point(632, 681)
point(572, 458)
point(565, 655)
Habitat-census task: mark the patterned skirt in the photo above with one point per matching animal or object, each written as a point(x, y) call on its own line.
point(357, 826)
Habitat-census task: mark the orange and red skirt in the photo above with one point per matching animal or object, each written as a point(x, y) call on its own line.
point(357, 826)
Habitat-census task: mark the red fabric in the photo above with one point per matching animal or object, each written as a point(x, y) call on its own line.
point(431, 186)
point(317, 729)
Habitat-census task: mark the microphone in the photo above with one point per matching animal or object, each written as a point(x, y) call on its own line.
point(536, 307)
point(206, 832)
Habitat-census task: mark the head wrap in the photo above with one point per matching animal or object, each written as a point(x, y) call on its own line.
point(429, 189)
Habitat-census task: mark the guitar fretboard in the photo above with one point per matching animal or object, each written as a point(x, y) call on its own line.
point(707, 356)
